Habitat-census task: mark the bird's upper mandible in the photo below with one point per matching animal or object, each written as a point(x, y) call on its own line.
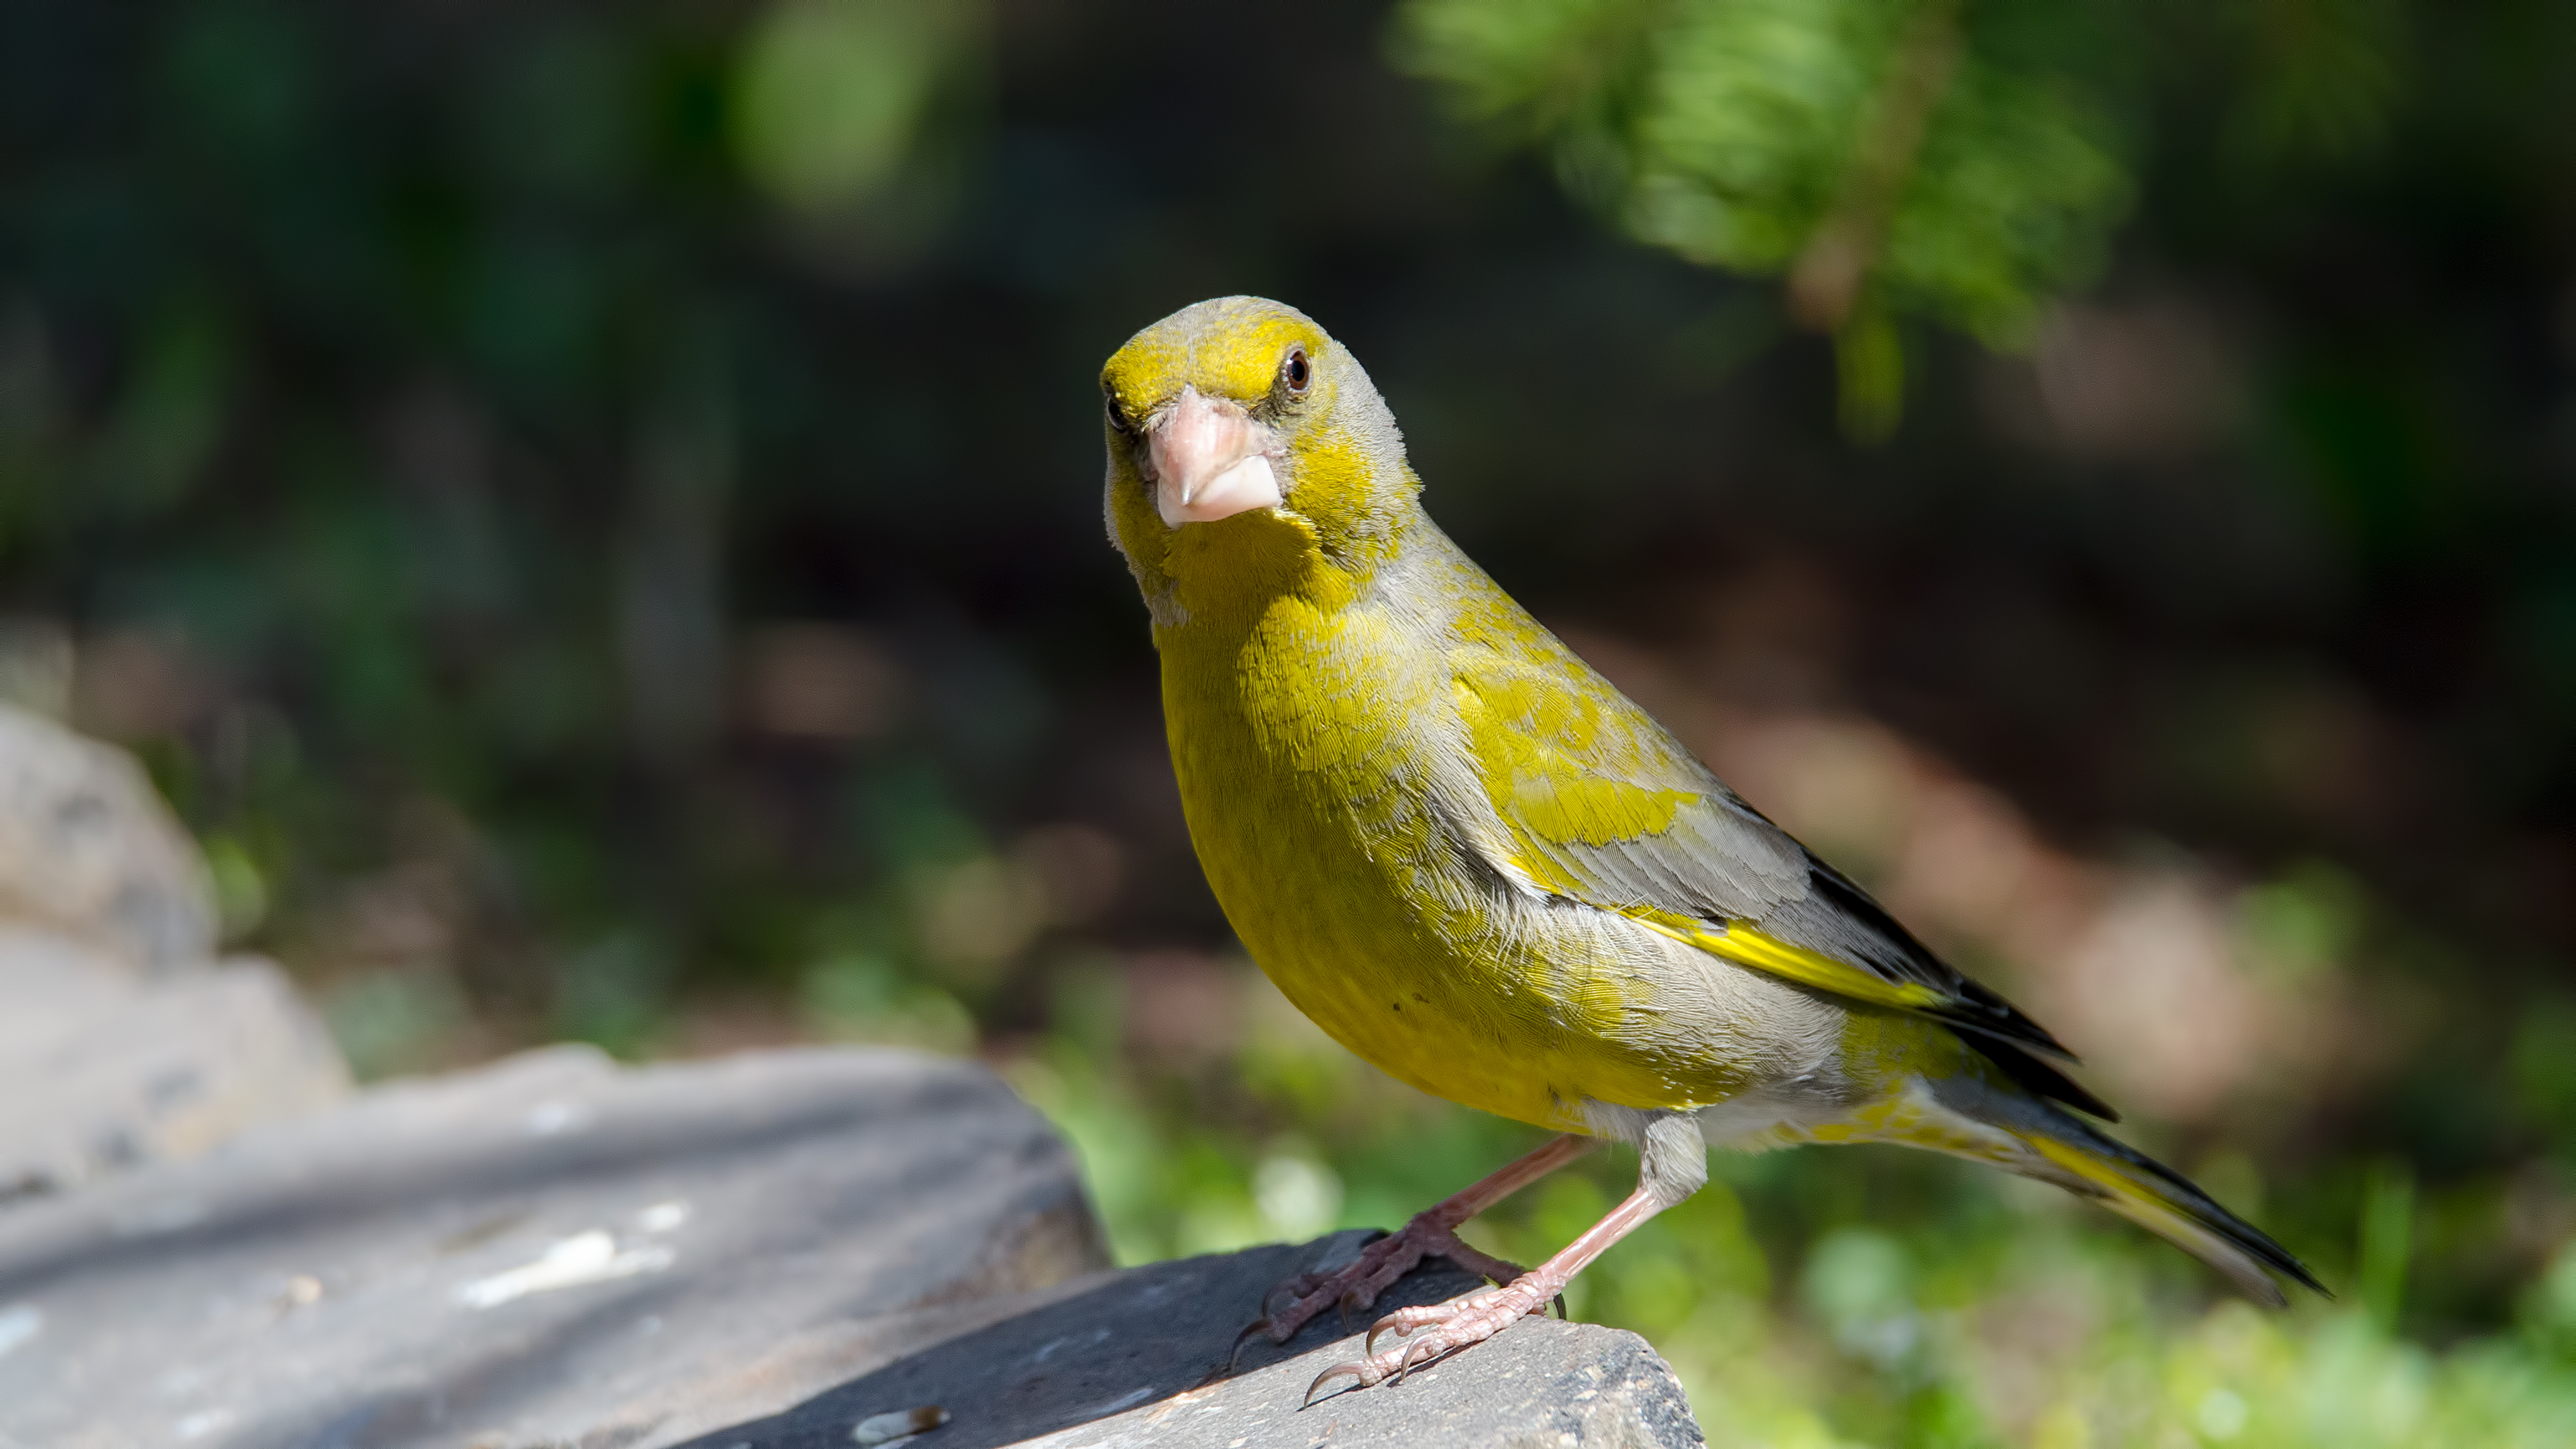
point(1206, 458)
point(1207, 402)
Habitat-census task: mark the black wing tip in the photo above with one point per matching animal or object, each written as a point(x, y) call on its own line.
point(2007, 1020)
point(2034, 1075)
point(1973, 1005)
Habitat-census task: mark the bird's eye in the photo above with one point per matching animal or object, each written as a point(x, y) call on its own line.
point(1295, 371)
point(1117, 415)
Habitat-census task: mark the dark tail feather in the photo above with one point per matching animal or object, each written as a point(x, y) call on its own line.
point(2164, 1202)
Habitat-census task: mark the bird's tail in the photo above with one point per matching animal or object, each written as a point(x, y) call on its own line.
point(2071, 1153)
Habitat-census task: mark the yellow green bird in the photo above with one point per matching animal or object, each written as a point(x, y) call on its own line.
point(1478, 865)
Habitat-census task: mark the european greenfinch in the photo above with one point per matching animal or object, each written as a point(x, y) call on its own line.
point(1476, 864)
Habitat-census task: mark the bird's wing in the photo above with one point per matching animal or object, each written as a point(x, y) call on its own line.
point(1600, 804)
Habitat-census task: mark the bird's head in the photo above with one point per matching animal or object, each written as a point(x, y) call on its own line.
point(1240, 432)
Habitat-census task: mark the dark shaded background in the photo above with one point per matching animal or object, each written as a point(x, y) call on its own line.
point(581, 579)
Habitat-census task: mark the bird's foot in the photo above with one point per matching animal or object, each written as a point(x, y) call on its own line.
point(1439, 1329)
point(1357, 1284)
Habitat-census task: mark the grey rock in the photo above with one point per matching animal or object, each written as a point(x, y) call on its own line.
point(550, 1251)
point(122, 1040)
point(102, 1070)
point(88, 849)
point(1133, 1360)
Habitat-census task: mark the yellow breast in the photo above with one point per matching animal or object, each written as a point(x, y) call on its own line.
point(1303, 726)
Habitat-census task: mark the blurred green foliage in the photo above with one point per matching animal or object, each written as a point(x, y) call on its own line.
point(1962, 163)
point(1826, 1297)
point(591, 514)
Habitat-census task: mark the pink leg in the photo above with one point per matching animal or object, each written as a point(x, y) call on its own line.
point(1675, 1164)
point(1433, 1233)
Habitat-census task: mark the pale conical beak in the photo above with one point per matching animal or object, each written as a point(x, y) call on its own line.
point(1209, 460)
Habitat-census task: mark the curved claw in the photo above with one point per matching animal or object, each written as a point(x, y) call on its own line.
point(1235, 1355)
point(1414, 1355)
point(1345, 1304)
point(1320, 1379)
point(1384, 1325)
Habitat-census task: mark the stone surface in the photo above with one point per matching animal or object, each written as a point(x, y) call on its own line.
point(550, 1251)
point(102, 1070)
point(122, 1039)
point(205, 1239)
point(1127, 1361)
point(89, 850)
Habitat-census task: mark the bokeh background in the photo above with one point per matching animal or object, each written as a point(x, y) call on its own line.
point(590, 511)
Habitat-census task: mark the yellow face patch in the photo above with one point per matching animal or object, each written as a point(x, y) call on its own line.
point(1230, 350)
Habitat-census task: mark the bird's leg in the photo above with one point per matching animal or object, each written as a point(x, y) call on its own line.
point(1674, 1165)
point(1431, 1234)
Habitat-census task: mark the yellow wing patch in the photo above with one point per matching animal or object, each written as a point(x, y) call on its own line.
point(1528, 732)
point(1740, 943)
point(1599, 806)
point(1591, 810)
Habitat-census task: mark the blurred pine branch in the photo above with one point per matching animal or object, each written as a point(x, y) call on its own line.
point(1963, 164)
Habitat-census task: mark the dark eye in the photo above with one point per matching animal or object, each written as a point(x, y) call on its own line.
point(1117, 415)
point(1295, 371)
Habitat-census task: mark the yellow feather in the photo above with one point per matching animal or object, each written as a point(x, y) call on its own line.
point(1742, 944)
point(1474, 863)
